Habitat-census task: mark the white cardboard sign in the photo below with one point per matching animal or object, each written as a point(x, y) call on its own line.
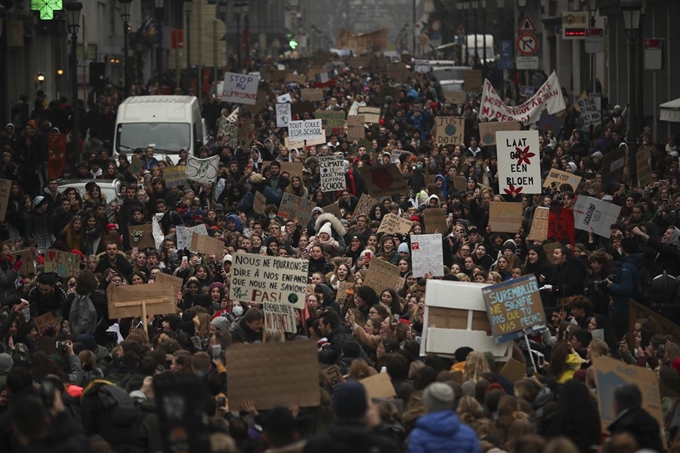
point(519, 162)
point(240, 88)
point(427, 255)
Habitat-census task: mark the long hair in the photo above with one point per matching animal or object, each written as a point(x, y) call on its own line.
point(475, 366)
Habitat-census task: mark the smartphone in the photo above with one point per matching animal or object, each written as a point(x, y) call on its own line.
point(135, 250)
point(185, 259)
point(216, 352)
point(221, 401)
point(196, 341)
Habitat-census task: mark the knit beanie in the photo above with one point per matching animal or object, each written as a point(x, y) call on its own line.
point(438, 397)
point(220, 323)
point(326, 228)
point(350, 400)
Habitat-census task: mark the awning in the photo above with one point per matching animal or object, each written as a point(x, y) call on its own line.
point(670, 111)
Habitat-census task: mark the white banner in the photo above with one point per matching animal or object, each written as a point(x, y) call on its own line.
point(590, 212)
point(240, 88)
point(310, 130)
point(591, 110)
point(549, 96)
point(202, 170)
point(267, 279)
point(283, 115)
point(427, 255)
point(186, 234)
point(519, 162)
point(279, 317)
point(332, 172)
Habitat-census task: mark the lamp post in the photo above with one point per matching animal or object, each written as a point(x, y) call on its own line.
point(632, 12)
point(482, 4)
point(474, 4)
point(4, 103)
point(187, 13)
point(125, 16)
point(159, 4)
point(465, 5)
point(240, 9)
point(592, 9)
point(73, 21)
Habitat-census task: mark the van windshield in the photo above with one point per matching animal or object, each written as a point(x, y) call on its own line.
point(168, 138)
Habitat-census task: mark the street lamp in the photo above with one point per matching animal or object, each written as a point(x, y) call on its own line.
point(4, 103)
point(592, 9)
point(159, 4)
point(73, 21)
point(474, 5)
point(125, 16)
point(465, 5)
point(188, 4)
point(632, 13)
point(240, 8)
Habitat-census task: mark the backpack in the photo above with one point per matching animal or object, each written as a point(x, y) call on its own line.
point(83, 316)
point(118, 405)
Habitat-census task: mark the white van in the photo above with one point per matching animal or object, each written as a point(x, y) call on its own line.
point(169, 123)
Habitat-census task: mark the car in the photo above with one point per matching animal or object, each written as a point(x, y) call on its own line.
point(110, 188)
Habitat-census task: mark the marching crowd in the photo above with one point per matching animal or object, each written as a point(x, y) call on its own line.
point(86, 382)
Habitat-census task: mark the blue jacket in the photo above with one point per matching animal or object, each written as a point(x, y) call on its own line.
point(623, 289)
point(442, 432)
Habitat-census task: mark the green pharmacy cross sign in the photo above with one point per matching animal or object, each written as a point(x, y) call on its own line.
point(47, 8)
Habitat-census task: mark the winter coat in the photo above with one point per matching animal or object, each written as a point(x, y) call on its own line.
point(640, 425)
point(99, 301)
point(248, 334)
point(442, 432)
point(351, 437)
point(338, 230)
point(8, 276)
point(39, 229)
point(622, 290)
point(64, 435)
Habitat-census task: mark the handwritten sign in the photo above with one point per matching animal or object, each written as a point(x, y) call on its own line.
point(381, 275)
point(505, 217)
point(259, 203)
point(175, 176)
point(487, 131)
point(260, 279)
point(363, 207)
point(539, 224)
point(141, 236)
point(435, 220)
point(392, 224)
point(202, 170)
point(644, 166)
point(185, 235)
point(333, 376)
point(473, 81)
point(240, 88)
point(62, 263)
point(5, 189)
point(333, 121)
point(27, 264)
point(293, 206)
point(371, 114)
point(283, 114)
point(332, 173)
point(308, 130)
point(450, 130)
point(355, 127)
point(49, 319)
point(514, 308)
point(591, 212)
point(519, 164)
point(131, 301)
point(279, 317)
point(427, 255)
point(208, 245)
point(559, 177)
point(613, 166)
point(384, 180)
point(591, 112)
point(312, 94)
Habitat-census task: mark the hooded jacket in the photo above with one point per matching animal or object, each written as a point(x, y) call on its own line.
point(622, 290)
point(338, 231)
point(442, 431)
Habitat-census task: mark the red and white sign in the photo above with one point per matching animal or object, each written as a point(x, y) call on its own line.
point(527, 44)
point(594, 40)
point(177, 39)
point(526, 25)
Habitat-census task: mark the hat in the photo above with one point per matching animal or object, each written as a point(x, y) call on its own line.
point(111, 227)
point(350, 400)
point(438, 397)
point(326, 228)
point(510, 244)
point(317, 209)
point(38, 201)
point(403, 248)
point(88, 341)
point(220, 323)
point(357, 237)
point(217, 207)
point(6, 363)
point(219, 285)
point(226, 258)
point(256, 178)
point(629, 245)
point(617, 107)
point(597, 154)
point(78, 252)
point(572, 165)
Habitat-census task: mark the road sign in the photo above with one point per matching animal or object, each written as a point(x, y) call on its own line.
point(506, 49)
point(527, 44)
point(506, 63)
point(524, 63)
point(526, 25)
point(594, 40)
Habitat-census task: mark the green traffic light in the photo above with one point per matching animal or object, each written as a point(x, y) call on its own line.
point(293, 44)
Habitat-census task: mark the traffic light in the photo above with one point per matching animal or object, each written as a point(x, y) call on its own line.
point(293, 44)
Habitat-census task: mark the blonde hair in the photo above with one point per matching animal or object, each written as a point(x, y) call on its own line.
point(359, 370)
point(469, 410)
point(598, 348)
point(475, 366)
point(202, 323)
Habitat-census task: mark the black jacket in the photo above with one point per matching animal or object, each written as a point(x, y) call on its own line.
point(351, 437)
point(65, 435)
point(100, 303)
point(638, 423)
point(249, 334)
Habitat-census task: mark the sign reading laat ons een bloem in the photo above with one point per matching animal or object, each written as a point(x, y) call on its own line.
point(519, 162)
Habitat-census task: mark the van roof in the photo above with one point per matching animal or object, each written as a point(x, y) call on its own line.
point(159, 100)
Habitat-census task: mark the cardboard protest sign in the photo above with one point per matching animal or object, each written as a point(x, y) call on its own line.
point(505, 217)
point(591, 212)
point(539, 225)
point(487, 131)
point(513, 370)
point(435, 220)
point(550, 123)
point(279, 75)
point(286, 374)
point(63, 263)
point(246, 134)
point(202, 170)
point(613, 166)
point(334, 209)
point(385, 91)
point(136, 165)
point(396, 155)
point(450, 130)
point(240, 88)
point(392, 224)
point(644, 166)
point(293, 206)
point(127, 301)
point(363, 207)
point(460, 183)
point(333, 376)
point(333, 121)
point(381, 275)
point(185, 235)
point(355, 127)
point(591, 110)
point(176, 282)
point(49, 319)
point(175, 176)
point(292, 168)
point(398, 72)
point(519, 162)
point(27, 264)
point(371, 114)
point(378, 386)
point(207, 245)
point(284, 98)
point(612, 373)
point(141, 236)
point(427, 255)
point(259, 279)
point(300, 79)
point(384, 180)
point(283, 114)
point(561, 225)
point(473, 81)
point(279, 317)
point(5, 189)
point(259, 203)
point(455, 97)
point(115, 238)
point(514, 308)
point(312, 94)
point(451, 321)
point(638, 311)
point(343, 287)
point(332, 173)
point(550, 247)
point(298, 108)
point(559, 177)
point(260, 102)
point(309, 130)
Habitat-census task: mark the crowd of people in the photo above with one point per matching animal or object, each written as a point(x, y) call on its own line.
point(74, 379)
